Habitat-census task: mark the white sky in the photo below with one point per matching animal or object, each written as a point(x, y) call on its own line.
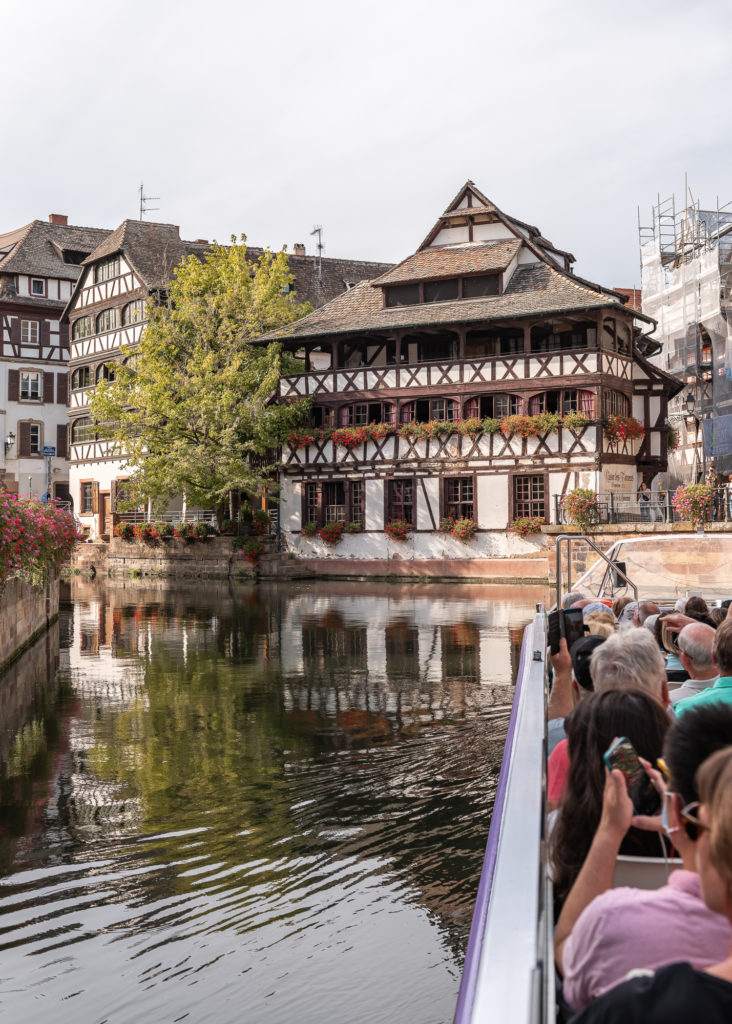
point(268, 118)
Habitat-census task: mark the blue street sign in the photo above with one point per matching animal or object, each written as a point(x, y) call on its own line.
point(49, 450)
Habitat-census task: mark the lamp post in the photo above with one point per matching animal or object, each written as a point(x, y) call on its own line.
point(9, 441)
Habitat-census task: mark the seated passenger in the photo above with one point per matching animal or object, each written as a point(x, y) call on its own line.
point(681, 993)
point(572, 681)
point(619, 604)
point(604, 933)
point(591, 728)
point(722, 689)
point(644, 609)
point(600, 624)
point(628, 660)
point(665, 637)
point(696, 644)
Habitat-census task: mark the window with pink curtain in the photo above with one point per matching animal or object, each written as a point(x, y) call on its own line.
point(535, 404)
point(406, 413)
point(389, 413)
point(472, 408)
point(587, 404)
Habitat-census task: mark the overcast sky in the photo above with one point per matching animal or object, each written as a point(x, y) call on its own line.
point(268, 118)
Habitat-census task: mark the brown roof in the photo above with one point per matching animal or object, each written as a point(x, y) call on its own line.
point(153, 250)
point(533, 290)
point(38, 247)
point(451, 260)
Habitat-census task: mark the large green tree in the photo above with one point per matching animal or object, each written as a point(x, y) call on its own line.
point(191, 407)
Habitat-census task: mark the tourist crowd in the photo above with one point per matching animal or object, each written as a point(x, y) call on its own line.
point(661, 680)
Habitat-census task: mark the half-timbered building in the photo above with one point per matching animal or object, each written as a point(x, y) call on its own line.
point(447, 361)
point(107, 312)
point(39, 264)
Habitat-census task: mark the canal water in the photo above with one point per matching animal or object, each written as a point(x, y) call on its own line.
point(269, 804)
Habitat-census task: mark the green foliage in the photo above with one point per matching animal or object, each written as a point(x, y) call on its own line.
point(331, 533)
point(309, 529)
point(193, 405)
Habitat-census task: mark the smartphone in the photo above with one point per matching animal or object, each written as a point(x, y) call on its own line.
point(574, 626)
point(644, 796)
point(568, 624)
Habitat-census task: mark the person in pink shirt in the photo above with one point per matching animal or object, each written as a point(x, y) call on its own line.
point(604, 933)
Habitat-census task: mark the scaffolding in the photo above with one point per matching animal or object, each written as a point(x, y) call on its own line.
point(686, 286)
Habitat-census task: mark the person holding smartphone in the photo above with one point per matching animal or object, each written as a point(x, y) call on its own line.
point(603, 933)
point(680, 993)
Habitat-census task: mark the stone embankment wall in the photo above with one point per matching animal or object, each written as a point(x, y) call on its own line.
point(215, 557)
point(25, 612)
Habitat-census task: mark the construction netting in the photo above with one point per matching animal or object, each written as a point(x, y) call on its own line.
point(685, 288)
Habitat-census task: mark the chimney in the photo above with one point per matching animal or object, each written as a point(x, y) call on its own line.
point(58, 218)
point(298, 249)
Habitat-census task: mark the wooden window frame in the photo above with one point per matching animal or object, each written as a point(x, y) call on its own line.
point(389, 503)
point(133, 305)
point(87, 321)
point(38, 424)
point(512, 501)
point(461, 479)
point(84, 440)
point(90, 381)
point(112, 311)
point(29, 324)
point(30, 400)
point(44, 289)
point(101, 269)
point(82, 510)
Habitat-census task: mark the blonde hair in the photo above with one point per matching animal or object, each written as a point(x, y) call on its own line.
point(619, 603)
point(714, 782)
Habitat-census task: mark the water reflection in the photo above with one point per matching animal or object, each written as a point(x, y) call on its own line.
point(274, 798)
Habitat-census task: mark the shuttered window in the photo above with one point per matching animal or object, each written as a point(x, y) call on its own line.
point(30, 386)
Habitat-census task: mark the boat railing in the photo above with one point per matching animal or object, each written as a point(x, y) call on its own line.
point(506, 974)
point(612, 566)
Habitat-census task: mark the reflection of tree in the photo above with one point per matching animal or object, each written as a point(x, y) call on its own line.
point(213, 735)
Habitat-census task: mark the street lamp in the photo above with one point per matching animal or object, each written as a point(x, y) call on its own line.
point(9, 441)
point(690, 403)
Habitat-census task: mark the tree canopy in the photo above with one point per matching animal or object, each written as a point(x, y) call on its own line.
point(191, 404)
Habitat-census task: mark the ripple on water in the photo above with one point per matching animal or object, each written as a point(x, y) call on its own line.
point(236, 808)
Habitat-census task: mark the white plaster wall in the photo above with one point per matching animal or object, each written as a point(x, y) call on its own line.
point(417, 547)
point(654, 407)
point(638, 407)
point(374, 506)
point(491, 232)
point(291, 505)
point(432, 488)
point(508, 272)
point(450, 236)
point(492, 502)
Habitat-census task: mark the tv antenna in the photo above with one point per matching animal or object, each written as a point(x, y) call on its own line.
point(318, 230)
point(144, 200)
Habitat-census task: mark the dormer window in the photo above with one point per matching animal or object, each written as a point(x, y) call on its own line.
point(444, 290)
point(38, 286)
point(105, 270)
point(483, 284)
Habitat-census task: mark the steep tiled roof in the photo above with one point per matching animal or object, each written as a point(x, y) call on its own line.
point(537, 289)
point(38, 248)
point(153, 250)
point(451, 260)
point(338, 275)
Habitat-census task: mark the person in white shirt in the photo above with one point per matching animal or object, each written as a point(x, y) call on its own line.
point(695, 643)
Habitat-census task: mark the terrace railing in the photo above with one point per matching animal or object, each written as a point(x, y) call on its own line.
point(614, 508)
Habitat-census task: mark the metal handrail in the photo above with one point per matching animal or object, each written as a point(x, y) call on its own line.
point(613, 566)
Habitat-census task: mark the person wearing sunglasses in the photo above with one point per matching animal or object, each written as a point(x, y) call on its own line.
point(603, 933)
point(681, 992)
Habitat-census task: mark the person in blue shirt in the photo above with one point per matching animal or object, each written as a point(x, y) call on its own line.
point(722, 689)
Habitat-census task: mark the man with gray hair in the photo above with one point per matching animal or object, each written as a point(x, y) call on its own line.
point(630, 660)
point(695, 643)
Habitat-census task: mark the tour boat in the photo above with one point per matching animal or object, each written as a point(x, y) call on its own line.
point(508, 973)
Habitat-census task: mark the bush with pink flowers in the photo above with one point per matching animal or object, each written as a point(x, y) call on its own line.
point(36, 538)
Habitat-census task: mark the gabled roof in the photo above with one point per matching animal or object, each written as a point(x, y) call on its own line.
point(152, 250)
point(471, 205)
point(38, 249)
point(534, 290)
point(452, 260)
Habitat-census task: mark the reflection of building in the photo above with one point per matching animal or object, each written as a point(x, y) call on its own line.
point(485, 323)
point(686, 262)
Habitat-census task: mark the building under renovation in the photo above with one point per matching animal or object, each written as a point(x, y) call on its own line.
point(686, 273)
